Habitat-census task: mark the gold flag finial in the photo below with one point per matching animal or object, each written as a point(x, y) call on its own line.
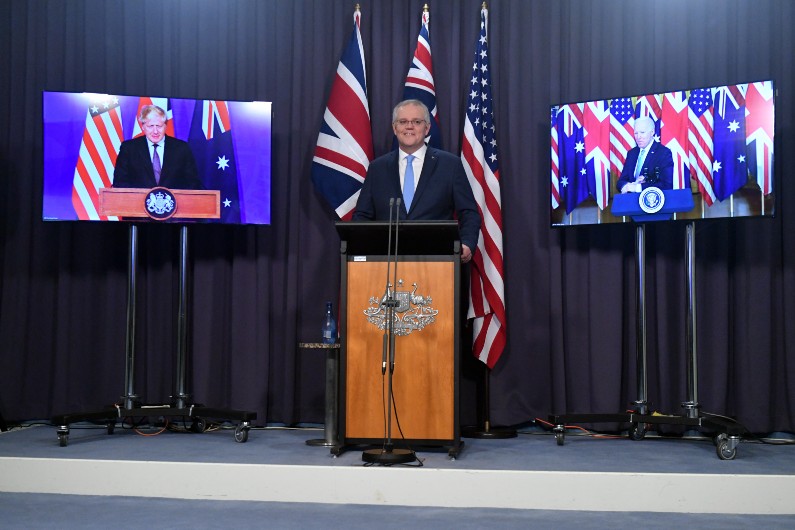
point(484, 6)
point(425, 8)
point(357, 7)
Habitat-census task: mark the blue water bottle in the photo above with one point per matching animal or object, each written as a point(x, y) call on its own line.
point(329, 326)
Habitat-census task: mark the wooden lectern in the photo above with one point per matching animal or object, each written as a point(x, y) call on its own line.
point(425, 378)
point(129, 202)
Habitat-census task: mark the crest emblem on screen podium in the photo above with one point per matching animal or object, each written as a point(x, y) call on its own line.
point(412, 313)
point(651, 200)
point(160, 204)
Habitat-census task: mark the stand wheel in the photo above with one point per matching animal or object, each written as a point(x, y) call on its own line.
point(725, 450)
point(63, 439)
point(560, 437)
point(198, 425)
point(637, 431)
point(241, 433)
point(721, 437)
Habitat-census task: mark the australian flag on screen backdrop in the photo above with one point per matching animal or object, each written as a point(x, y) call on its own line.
point(210, 140)
point(573, 177)
point(729, 168)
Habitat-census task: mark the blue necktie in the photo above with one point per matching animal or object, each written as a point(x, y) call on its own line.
point(641, 159)
point(156, 164)
point(408, 182)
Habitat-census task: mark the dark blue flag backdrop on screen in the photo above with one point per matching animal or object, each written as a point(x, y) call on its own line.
point(729, 168)
point(213, 147)
point(573, 178)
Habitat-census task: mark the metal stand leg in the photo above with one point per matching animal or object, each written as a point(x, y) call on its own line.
point(691, 406)
point(332, 393)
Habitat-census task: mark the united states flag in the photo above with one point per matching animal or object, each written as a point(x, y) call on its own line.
point(700, 141)
point(759, 128)
point(673, 135)
point(622, 124)
point(102, 139)
point(555, 159)
point(345, 144)
point(419, 81)
point(479, 156)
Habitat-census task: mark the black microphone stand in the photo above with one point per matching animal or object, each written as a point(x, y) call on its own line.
point(387, 454)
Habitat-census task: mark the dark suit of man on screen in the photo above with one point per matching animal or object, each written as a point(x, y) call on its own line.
point(657, 162)
point(138, 158)
point(441, 190)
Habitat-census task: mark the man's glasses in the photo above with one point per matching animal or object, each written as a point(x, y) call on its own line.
point(415, 123)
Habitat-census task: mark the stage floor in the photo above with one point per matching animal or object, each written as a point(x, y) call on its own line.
point(529, 472)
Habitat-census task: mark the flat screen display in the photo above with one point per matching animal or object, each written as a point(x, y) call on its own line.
point(229, 146)
point(716, 142)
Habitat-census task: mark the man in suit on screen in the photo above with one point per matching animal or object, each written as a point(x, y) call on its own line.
point(648, 164)
point(155, 159)
point(431, 183)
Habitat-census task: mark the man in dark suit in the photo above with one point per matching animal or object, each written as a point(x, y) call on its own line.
point(431, 183)
point(648, 164)
point(155, 159)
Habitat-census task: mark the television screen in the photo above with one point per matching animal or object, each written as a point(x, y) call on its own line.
point(223, 160)
point(715, 142)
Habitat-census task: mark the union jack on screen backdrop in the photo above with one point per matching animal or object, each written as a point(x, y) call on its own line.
point(99, 147)
point(705, 129)
point(163, 103)
point(419, 81)
point(479, 156)
point(344, 147)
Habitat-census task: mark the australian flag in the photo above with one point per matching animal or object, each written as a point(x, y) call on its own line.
point(210, 140)
point(729, 168)
point(573, 177)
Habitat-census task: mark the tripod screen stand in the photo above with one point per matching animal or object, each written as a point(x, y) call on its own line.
point(191, 205)
point(640, 418)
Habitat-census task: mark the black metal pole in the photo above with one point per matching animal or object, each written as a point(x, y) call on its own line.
point(180, 395)
point(132, 271)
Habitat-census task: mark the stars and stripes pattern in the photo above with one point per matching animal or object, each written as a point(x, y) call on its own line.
point(99, 148)
point(344, 147)
point(700, 141)
point(622, 132)
point(480, 159)
point(555, 159)
point(419, 80)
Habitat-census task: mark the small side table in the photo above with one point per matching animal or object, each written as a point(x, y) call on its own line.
point(332, 391)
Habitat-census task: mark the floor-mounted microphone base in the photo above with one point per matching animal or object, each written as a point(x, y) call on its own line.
point(388, 457)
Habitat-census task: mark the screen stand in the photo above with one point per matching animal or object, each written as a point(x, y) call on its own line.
point(728, 432)
point(180, 407)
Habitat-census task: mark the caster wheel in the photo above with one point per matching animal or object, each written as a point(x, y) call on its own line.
point(198, 425)
point(560, 438)
point(723, 437)
point(241, 434)
point(637, 431)
point(725, 450)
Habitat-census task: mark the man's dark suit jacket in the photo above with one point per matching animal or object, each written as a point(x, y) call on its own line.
point(134, 166)
point(443, 190)
point(658, 158)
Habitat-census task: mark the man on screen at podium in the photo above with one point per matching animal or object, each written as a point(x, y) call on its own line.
point(155, 159)
point(431, 183)
point(648, 164)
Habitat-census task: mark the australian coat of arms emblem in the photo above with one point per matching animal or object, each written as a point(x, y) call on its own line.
point(412, 313)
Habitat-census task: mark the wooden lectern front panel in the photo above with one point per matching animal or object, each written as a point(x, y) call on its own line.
point(424, 375)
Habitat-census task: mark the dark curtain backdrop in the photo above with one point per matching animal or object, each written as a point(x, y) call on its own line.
point(258, 291)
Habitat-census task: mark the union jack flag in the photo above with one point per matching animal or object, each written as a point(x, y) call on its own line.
point(700, 141)
point(419, 80)
point(673, 135)
point(102, 139)
point(163, 103)
point(479, 156)
point(597, 150)
point(759, 128)
point(345, 143)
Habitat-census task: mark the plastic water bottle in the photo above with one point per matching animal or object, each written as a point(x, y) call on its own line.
point(329, 326)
